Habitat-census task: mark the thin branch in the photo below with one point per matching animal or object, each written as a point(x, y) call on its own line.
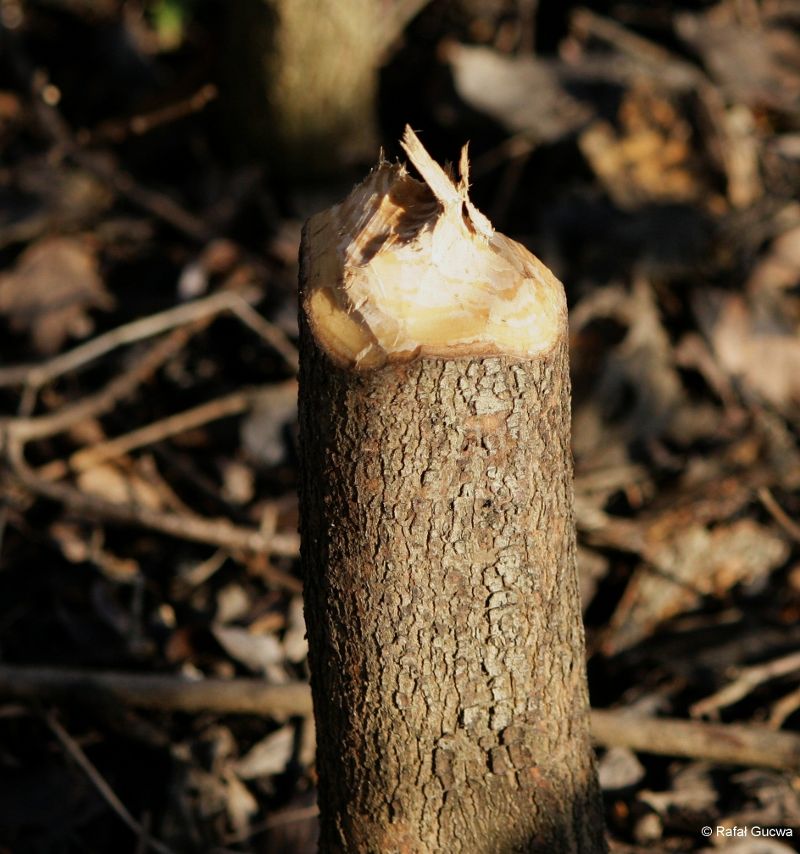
point(783, 708)
point(663, 62)
point(161, 692)
point(779, 514)
point(271, 333)
point(137, 330)
point(157, 431)
point(747, 680)
point(729, 744)
point(117, 130)
point(53, 123)
point(24, 430)
point(109, 795)
point(160, 205)
point(16, 432)
point(199, 529)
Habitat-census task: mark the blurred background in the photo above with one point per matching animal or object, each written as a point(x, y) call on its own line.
point(157, 161)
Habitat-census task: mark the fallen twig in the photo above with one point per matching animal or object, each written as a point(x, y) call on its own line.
point(214, 532)
point(730, 744)
point(783, 708)
point(138, 330)
point(272, 334)
point(663, 62)
point(734, 744)
point(190, 419)
point(15, 433)
point(23, 430)
point(109, 795)
point(56, 127)
point(116, 130)
point(163, 692)
point(747, 679)
point(779, 514)
point(160, 205)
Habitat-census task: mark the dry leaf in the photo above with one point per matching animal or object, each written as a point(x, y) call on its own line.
point(240, 804)
point(689, 563)
point(218, 257)
point(232, 604)
point(756, 63)
point(210, 792)
point(772, 799)
point(779, 269)
point(238, 481)
point(522, 93)
point(79, 547)
point(648, 158)
point(692, 790)
point(631, 392)
point(619, 769)
point(49, 292)
point(270, 756)
point(264, 430)
point(295, 642)
point(259, 653)
point(760, 352)
point(109, 482)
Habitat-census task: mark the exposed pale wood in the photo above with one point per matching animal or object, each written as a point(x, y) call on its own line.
point(398, 271)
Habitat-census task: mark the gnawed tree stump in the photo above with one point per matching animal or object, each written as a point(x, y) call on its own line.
point(438, 546)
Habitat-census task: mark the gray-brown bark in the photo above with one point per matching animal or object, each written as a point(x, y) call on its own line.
point(438, 544)
point(442, 606)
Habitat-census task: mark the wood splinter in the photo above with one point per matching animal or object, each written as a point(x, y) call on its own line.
point(438, 544)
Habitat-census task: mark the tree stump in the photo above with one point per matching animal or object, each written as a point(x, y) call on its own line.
point(438, 544)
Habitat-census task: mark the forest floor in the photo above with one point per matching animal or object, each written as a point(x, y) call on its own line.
point(648, 153)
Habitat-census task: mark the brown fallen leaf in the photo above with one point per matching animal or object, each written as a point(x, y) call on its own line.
point(522, 93)
point(258, 652)
point(629, 391)
point(269, 756)
point(775, 276)
point(48, 294)
point(687, 564)
point(648, 157)
point(619, 769)
point(111, 483)
point(240, 804)
point(758, 349)
point(757, 62)
point(264, 430)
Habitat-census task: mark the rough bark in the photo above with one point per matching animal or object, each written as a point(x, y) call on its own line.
point(444, 623)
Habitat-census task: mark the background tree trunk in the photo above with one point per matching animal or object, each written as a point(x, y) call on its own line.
point(302, 79)
point(442, 605)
